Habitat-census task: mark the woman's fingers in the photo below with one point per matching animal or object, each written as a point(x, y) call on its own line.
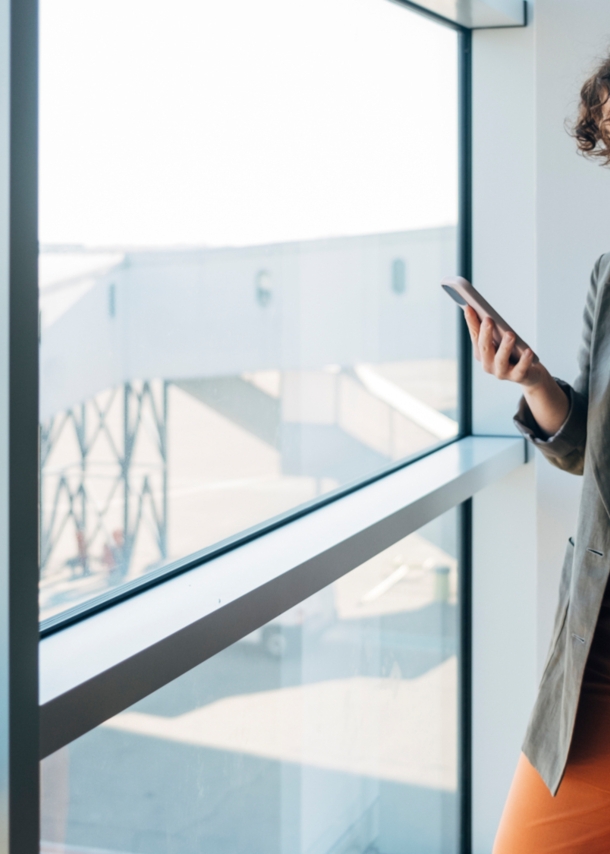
point(474, 326)
point(502, 365)
point(496, 359)
point(520, 371)
point(487, 347)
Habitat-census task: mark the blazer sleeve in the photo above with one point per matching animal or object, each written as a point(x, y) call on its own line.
point(566, 448)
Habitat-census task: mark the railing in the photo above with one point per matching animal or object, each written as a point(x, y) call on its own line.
point(96, 668)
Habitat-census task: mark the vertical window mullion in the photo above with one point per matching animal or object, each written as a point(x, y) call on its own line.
point(465, 422)
point(465, 224)
point(19, 805)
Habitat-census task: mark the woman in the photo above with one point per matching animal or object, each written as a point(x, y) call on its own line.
point(559, 800)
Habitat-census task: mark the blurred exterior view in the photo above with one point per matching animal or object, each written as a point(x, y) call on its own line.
point(334, 729)
point(188, 395)
point(243, 230)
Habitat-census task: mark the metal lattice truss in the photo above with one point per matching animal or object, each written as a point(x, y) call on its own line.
point(103, 491)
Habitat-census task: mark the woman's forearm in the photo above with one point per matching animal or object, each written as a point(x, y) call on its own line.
point(547, 401)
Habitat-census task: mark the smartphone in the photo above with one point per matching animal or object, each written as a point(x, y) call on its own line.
point(464, 294)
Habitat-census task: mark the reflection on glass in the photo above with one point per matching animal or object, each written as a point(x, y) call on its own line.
point(243, 227)
point(331, 729)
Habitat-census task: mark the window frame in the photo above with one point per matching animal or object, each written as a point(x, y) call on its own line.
point(473, 15)
point(19, 717)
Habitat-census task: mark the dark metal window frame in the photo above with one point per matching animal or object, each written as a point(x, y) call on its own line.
point(465, 419)
point(422, 9)
point(19, 749)
point(19, 745)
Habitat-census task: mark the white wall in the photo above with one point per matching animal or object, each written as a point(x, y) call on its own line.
point(504, 637)
point(504, 555)
point(541, 218)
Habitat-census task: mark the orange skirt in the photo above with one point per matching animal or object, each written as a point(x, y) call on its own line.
point(577, 819)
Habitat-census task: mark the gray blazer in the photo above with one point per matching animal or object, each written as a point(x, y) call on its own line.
point(581, 446)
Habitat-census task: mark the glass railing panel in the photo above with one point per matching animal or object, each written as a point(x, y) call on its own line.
point(331, 729)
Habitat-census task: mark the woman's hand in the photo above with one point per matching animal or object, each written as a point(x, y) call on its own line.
point(496, 360)
point(546, 399)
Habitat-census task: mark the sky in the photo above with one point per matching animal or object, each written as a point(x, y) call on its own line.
point(202, 122)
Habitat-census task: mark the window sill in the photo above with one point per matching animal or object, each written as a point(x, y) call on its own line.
point(96, 668)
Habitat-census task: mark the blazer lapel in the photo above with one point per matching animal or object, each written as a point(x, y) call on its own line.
point(598, 421)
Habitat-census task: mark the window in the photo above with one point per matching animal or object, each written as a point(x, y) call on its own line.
point(331, 729)
point(156, 120)
point(245, 213)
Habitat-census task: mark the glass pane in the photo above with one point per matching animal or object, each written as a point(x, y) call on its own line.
point(246, 209)
point(332, 729)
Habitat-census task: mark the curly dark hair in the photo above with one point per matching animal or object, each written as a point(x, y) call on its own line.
point(591, 130)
